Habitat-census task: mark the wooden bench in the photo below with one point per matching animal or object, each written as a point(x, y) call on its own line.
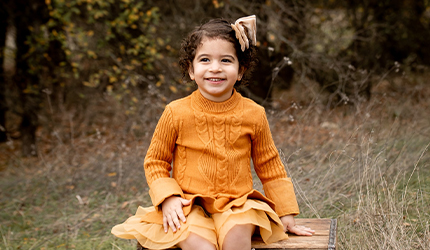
point(324, 237)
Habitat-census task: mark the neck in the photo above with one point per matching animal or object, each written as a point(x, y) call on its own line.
point(206, 105)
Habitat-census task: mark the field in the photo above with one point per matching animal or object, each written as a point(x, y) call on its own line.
point(367, 165)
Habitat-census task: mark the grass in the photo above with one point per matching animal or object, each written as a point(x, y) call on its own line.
point(366, 165)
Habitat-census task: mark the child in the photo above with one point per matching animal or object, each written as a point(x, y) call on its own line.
point(211, 136)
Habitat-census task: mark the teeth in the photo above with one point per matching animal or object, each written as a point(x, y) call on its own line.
point(215, 79)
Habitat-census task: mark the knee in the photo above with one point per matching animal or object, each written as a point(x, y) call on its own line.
point(239, 237)
point(196, 242)
point(238, 244)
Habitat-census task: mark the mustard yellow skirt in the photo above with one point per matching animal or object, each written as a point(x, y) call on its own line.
point(212, 227)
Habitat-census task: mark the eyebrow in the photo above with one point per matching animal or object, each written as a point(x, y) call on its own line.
point(208, 55)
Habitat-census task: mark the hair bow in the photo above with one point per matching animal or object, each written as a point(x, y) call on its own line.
point(248, 35)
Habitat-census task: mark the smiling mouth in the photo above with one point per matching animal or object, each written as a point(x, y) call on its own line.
point(215, 79)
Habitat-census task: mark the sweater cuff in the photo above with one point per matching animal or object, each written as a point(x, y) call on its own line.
point(281, 192)
point(163, 188)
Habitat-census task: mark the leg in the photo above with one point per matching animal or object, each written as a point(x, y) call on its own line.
point(196, 242)
point(239, 237)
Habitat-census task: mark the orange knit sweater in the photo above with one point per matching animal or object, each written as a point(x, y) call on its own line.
point(211, 145)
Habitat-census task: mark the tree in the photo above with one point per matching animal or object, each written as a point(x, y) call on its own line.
point(27, 17)
point(107, 46)
point(3, 105)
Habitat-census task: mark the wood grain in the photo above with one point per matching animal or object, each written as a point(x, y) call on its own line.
point(324, 237)
point(320, 240)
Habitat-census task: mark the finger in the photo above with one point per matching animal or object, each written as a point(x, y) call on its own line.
point(165, 225)
point(300, 230)
point(181, 215)
point(185, 202)
point(305, 233)
point(175, 217)
point(170, 222)
point(310, 230)
point(306, 229)
point(176, 222)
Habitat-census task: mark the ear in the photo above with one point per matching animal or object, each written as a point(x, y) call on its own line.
point(241, 72)
point(191, 72)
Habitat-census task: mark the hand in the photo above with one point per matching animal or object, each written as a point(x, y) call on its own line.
point(290, 226)
point(172, 212)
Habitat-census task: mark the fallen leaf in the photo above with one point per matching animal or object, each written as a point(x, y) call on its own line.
point(112, 174)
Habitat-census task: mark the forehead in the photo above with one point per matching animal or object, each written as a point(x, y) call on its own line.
point(215, 45)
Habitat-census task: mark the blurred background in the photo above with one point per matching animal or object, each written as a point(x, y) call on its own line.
point(83, 83)
point(68, 56)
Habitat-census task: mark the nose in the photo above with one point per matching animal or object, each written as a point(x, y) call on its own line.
point(215, 67)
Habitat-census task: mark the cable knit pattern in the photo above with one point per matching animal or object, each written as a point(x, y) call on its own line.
point(236, 122)
point(182, 159)
point(222, 170)
point(160, 150)
point(210, 145)
point(265, 154)
point(202, 127)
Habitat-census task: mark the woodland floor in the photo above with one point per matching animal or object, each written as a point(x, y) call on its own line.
point(367, 165)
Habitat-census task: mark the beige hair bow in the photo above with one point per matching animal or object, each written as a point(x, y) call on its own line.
point(246, 36)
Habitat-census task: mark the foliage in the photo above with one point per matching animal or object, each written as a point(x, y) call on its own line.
point(79, 50)
point(110, 45)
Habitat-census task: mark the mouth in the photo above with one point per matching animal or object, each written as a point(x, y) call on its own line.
point(215, 79)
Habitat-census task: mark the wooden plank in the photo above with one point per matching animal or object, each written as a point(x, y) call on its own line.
point(324, 237)
point(295, 242)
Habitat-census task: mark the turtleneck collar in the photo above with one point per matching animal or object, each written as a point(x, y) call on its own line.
point(206, 105)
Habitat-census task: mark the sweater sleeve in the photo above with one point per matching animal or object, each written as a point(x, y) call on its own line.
point(158, 160)
point(269, 168)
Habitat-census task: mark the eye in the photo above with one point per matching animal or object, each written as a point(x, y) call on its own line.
point(225, 60)
point(204, 59)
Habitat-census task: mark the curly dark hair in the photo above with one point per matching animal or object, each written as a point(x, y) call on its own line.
point(216, 29)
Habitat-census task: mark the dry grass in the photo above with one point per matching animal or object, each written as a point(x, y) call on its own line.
point(367, 166)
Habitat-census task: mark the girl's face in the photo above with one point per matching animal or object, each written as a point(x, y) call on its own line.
point(215, 69)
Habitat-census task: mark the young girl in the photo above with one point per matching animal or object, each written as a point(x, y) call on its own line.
point(211, 136)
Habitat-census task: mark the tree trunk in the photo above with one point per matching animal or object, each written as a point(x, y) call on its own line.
point(29, 95)
point(3, 104)
point(27, 14)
